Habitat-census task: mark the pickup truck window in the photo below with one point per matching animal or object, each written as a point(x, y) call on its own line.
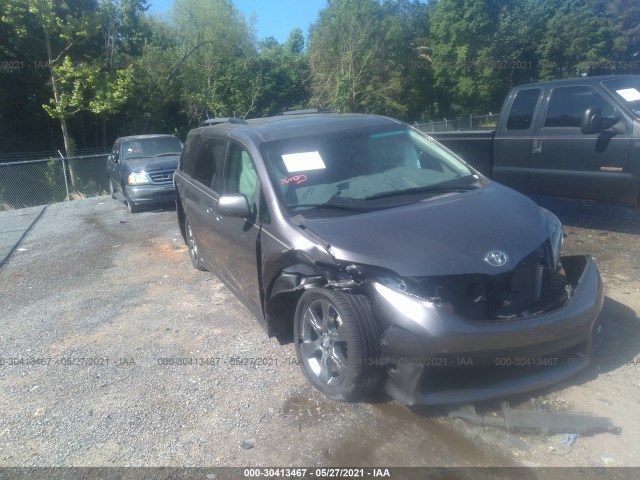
point(522, 110)
point(209, 162)
point(567, 105)
point(627, 90)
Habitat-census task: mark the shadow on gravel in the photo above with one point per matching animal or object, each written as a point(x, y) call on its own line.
point(619, 340)
point(594, 215)
point(617, 344)
point(160, 207)
point(412, 437)
point(8, 256)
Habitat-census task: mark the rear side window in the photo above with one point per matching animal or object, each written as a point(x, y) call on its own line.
point(188, 157)
point(522, 110)
point(209, 162)
point(568, 104)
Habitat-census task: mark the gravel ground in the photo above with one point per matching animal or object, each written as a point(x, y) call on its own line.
point(96, 302)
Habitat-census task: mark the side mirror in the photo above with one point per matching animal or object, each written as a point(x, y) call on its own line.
point(234, 205)
point(591, 121)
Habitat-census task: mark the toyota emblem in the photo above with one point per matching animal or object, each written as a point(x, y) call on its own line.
point(496, 258)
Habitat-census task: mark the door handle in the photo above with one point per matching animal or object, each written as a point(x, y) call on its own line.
point(536, 146)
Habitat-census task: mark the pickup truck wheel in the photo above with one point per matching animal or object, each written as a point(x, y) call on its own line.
point(337, 343)
point(192, 245)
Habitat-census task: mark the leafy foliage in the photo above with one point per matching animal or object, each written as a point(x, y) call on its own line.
point(85, 71)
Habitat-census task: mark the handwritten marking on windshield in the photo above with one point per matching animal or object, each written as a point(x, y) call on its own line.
point(295, 179)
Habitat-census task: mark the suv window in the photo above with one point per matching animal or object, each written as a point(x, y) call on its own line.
point(209, 162)
point(240, 174)
point(567, 105)
point(189, 153)
point(522, 110)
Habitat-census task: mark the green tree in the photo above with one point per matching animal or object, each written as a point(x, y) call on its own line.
point(519, 32)
point(210, 35)
point(461, 50)
point(58, 26)
point(352, 58)
point(575, 39)
point(625, 29)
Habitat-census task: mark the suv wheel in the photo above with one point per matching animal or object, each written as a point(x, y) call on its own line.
point(192, 245)
point(337, 343)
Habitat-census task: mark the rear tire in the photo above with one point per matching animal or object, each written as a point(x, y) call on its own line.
point(192, 245)
point(338, 344)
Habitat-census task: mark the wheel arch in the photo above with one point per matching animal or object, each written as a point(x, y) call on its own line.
point(181, 217)
point(286, 289)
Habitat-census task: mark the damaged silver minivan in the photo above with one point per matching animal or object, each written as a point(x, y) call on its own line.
point(386, 258)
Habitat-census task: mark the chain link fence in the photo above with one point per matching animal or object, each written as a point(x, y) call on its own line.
point(30, 179)
point(468, 122)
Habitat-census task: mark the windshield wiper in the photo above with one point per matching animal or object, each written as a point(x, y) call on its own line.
point(427, 189)
point(166, 153)
point(335, 206)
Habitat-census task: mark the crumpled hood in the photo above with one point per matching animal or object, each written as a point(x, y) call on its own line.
point(441, 236)
point(151, 164)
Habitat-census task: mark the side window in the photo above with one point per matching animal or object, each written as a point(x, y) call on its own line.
point(189, 153)
point(567, 105)
point(240, 174)
point(209, 161)
point(522, 110)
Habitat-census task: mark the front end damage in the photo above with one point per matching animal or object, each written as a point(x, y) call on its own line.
point(461, 338)
point(444, 350)
point(453, 327)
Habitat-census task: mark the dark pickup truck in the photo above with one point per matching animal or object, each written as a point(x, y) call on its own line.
point(574, 138)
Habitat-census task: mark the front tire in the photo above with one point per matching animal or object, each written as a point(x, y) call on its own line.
point(338, 344)
point(192, 245)
point(132, 207)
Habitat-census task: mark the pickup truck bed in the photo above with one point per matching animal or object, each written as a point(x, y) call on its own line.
point(474, 146)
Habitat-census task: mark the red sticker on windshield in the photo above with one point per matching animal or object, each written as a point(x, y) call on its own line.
point(295, 179)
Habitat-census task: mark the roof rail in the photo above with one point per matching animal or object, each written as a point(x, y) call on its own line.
point(217, 121)
point(308, 111)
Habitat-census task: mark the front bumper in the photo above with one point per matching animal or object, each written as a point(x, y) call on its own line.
point(148, 194)
point(434, 357)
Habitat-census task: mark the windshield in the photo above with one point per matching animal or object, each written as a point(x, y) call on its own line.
point(363, 169)
point(628, 91)
point(151, 147)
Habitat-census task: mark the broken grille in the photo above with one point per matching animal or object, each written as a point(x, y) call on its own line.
point(529, 289)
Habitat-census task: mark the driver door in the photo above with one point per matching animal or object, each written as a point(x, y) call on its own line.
point(567, 162)
point(236, 249)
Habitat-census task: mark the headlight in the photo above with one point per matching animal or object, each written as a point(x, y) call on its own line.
point(411, 307)
point(396, 284)
point(138, 178)
point(556, 236)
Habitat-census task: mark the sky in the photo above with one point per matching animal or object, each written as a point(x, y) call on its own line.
point(275, 18)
